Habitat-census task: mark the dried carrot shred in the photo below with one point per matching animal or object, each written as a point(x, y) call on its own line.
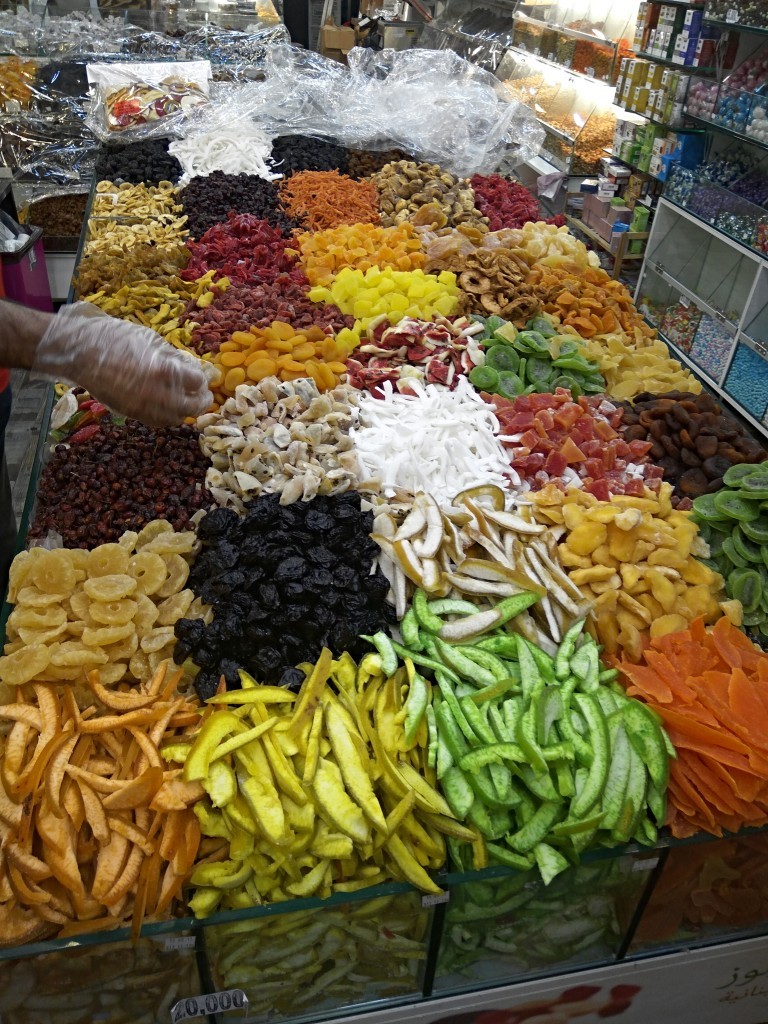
point(326, 199)
point(708, 685)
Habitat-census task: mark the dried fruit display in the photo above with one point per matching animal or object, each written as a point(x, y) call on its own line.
point(280, 438)
point(426, 195)
point(243, 248)
point(120, 478)
point(360, 246)
point(112, 608)
point(326, 199)
point(284, 581)
point(141, 838)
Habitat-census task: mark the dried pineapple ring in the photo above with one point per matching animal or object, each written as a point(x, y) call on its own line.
point(156, 658)
point(41, 636)
point(149, 571)
point(18, 575)
point(113, 673)
point(37, 618)
point(172, 543)
point(146, 614)
point(113, 613)
point(74, 654)
point(138, 666)
point(174, 608)
point(79, 559)
point(152, 530)
point(106, 635)
point(80, 604)
point(178, 574)
point(110, 588)
point(128, 540)
point(76, 626)
point(200, 610)
point(157, 639)
point(53, 572)
point(124, 649)
point(24, 665)
point(31, 597)
point(107, 560)
point(64, 673)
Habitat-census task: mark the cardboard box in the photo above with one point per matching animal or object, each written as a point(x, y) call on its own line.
point(619, 215)
point(603, 227)
point(336, 42)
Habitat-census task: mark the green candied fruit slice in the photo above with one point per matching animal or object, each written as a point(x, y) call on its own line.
point(502, 357)
point(510, 385)
point(732, 554)
point(484, 378)
point(744, 547)
point(757, 530)
point(704, 508)
point(746, 585)
point(715, 543)
point(754, 618)
point(734, 476)
point(729, 504)
point(539, 372)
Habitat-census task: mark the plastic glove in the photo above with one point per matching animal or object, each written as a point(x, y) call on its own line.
point(129, 368)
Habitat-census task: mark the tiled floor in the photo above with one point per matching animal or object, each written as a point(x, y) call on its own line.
point(22, 432)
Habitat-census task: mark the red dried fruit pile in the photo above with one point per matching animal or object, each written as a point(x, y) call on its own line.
point(433, 352)
point(244, 248)
point(552, 439)
point(505, 203)
point(257, 305)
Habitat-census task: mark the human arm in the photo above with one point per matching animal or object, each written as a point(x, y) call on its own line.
point(129, 368)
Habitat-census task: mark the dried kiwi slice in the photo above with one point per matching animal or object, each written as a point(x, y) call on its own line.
point(705, 509)
point(757, 530)
point(729, 504)
point(502, 357)
point(732, 554)
point(733, 476)
point(746, 585)
point(715, 541)
point(745, 547)
point(754, 618)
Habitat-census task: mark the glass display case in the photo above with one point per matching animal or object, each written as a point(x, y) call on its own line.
point(707, 294)
point(577, 115)
point(589, 37)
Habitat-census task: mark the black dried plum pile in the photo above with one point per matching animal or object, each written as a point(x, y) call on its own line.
point(138, 162)
point(208, 201)
point(294, 153)
point(284, 582)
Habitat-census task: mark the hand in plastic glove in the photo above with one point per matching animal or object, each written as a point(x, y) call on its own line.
point(129, 368)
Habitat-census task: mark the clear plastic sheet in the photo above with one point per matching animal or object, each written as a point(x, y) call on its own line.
point(140, 101)
point(227, 46)
point(73, 34)
point(430, 103)
point(56, 149)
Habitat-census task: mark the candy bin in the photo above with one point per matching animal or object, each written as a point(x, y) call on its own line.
point(742, 12)
point(705, 891)
point(681, 181)
point(762, 234)
point(753, 186)
point(595, 58)
point(757, 122)
point(342, 955)
point(510, 927)
point(738, 218)
point(565, 50)
point(705, 201)
point(747, 380)
point(712, 346)
point(681, 322)
point(733, 108)
point(702, 97)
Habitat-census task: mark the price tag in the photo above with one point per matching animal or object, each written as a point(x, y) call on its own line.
point(685, 301)
point(432, 899)
point(589, 72)
point(203, 1006)
point(645, 864)
point(537, 51)
point(732, 15)
point(550, 56)
point(171, 942)
point(567, 63)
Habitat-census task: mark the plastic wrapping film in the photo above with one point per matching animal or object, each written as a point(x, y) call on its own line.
point(433, 104)
point(477, 33)
point(140, 101)
point(73, 34)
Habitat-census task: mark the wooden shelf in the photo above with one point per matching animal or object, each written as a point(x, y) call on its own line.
point(621, 255)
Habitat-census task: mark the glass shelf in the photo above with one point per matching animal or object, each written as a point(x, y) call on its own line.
point(667, 62)
point(706, 125)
